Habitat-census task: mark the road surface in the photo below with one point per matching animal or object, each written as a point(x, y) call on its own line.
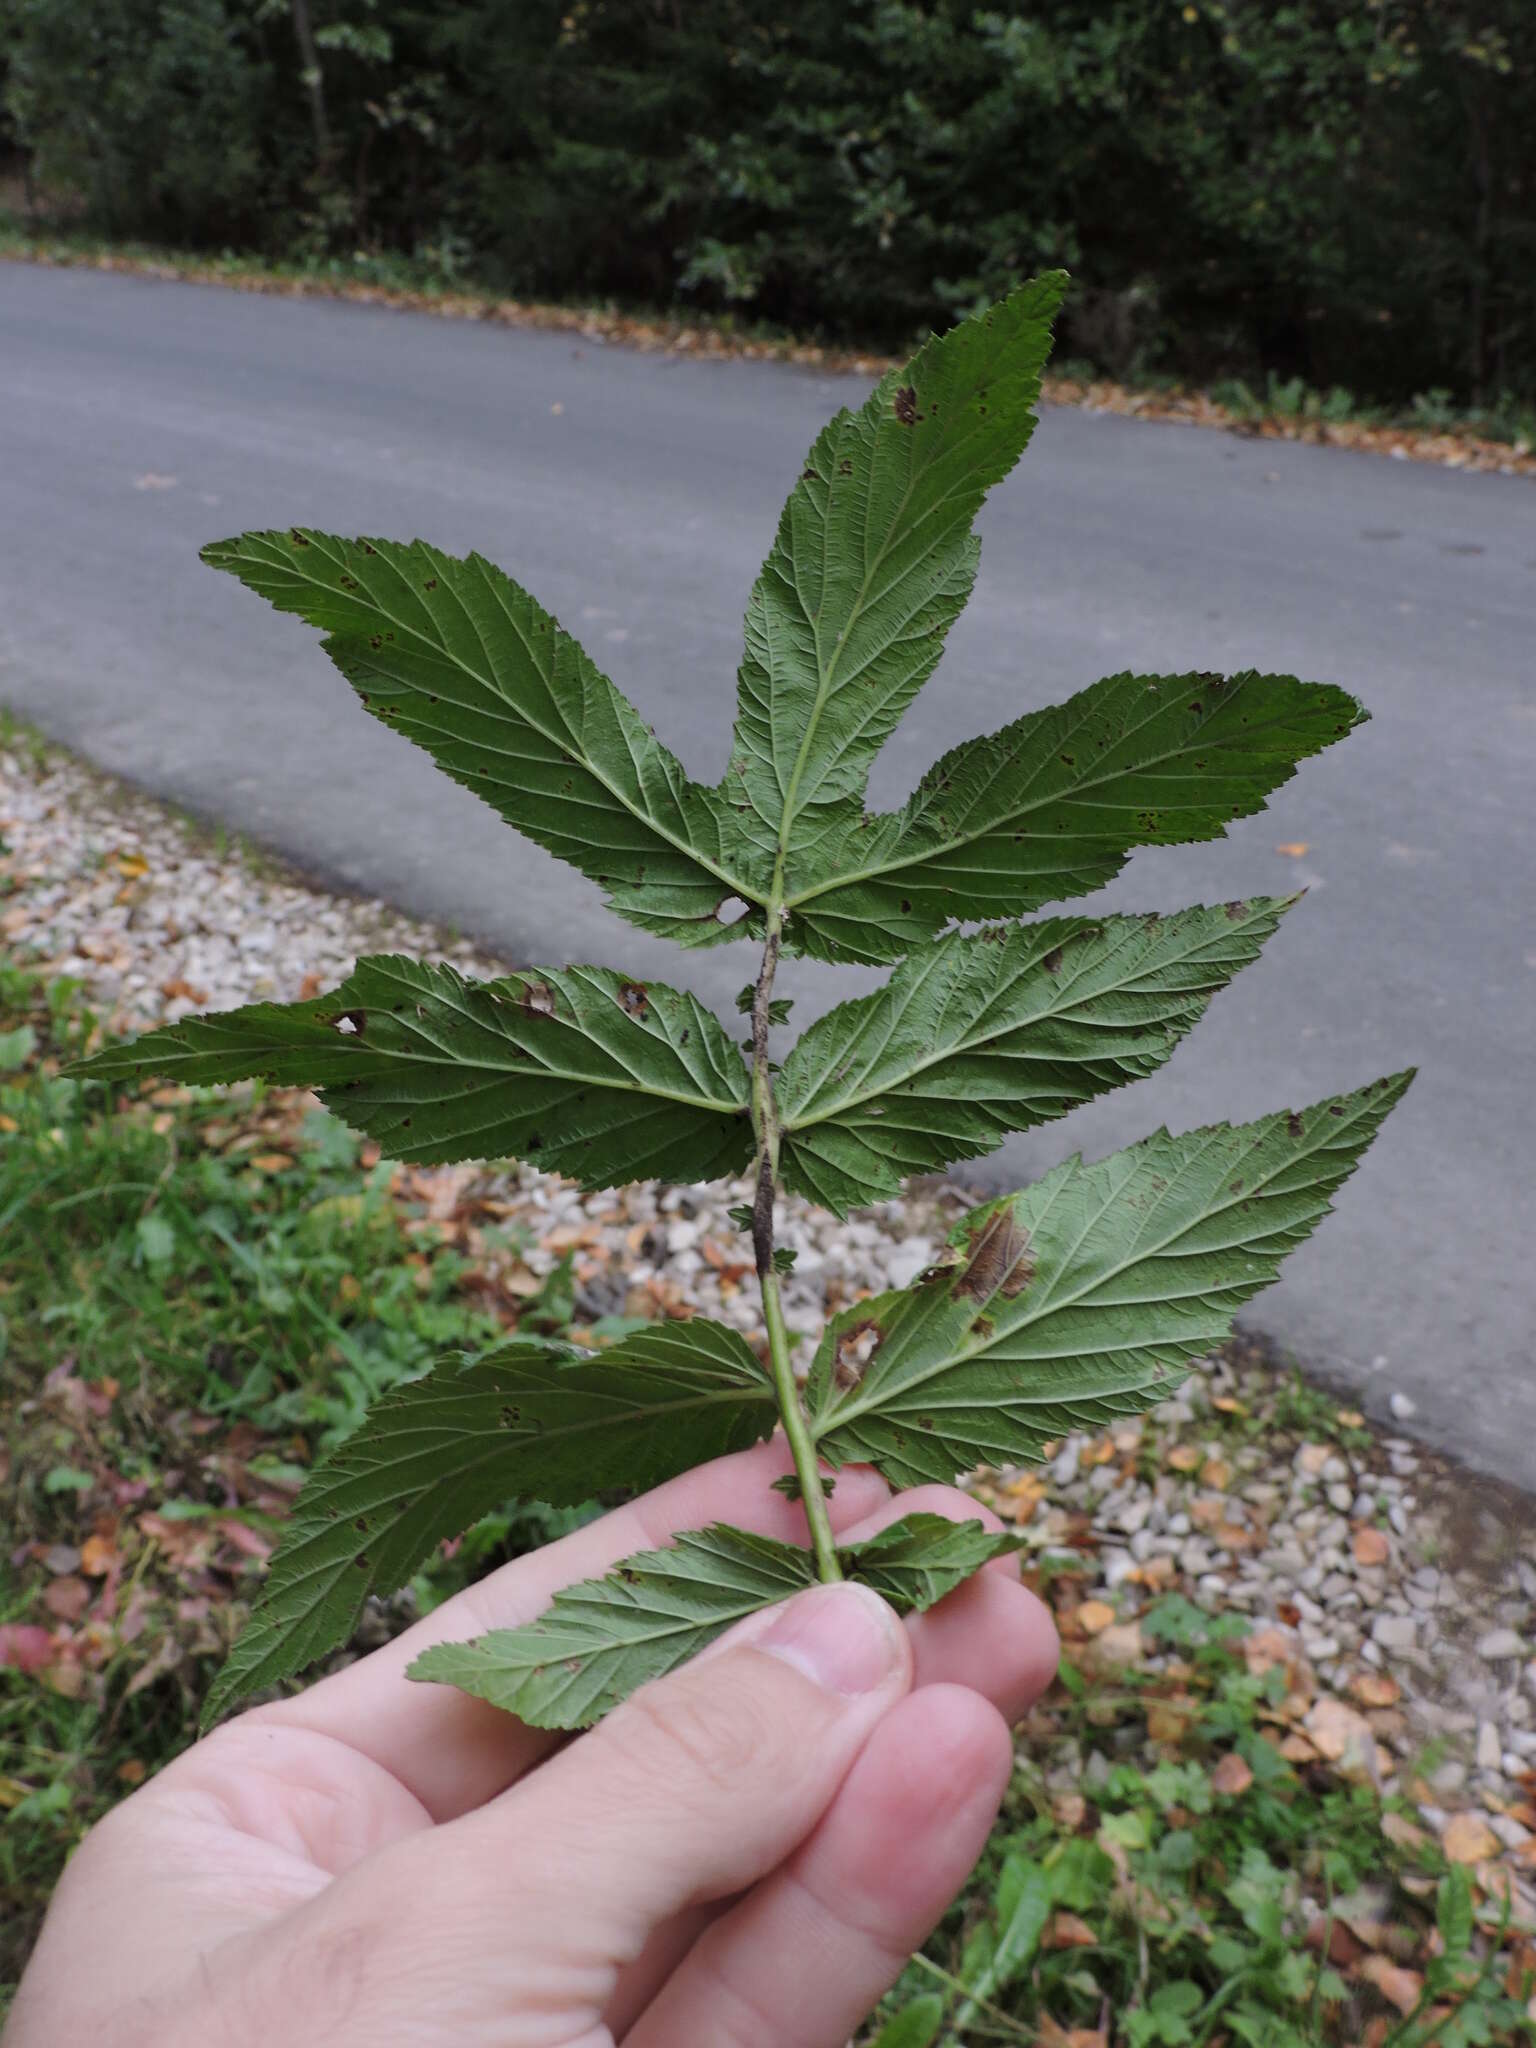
point(636, 495)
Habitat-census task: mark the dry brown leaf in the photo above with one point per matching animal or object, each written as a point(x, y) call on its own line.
point(98, 1554)
point(1120, 1644)
point(1232, 1776)
point(1467, 1838)
point(1343, 1735)
point(1371, 1547)
point(67, 1599)
point(270, 1162)
point(1168, 1720)
point(1402, 1832)
point(1228, 1404)
point(1375, 1689)
point(1066, 1930)
point(1094, 1616)
point(1398, 1986)
point(1183, 1457)
point(1350, 1418)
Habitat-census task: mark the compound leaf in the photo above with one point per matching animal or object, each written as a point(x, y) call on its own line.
point(872, 564)
point(460, 659)
point(600, 1640)
point(575, 1068)
point(1083, 1298)
point(978, 1035)
point(541, 1420)
point(1050, 807)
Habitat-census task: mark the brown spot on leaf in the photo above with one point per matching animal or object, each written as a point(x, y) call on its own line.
point(1052, 961)
point(1000, 1261)
point(904, 405)
point(854, 1349)
point(538, 997)
point(1293, 1124)
point(1236, 909)
point(633, 1000)
point(809, 475)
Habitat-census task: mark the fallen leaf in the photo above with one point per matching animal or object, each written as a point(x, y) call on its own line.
point(98, 1554)
point(1402, 1832)
point(1216, 1473)
point(24, 1646)
point(270, 1162)
point(1069, 1810)
point(131, 864)
point(1300, 1749)
point(1184, 1457)
point(1120, 1644)
point(67, 1599)
point(1467, 1838)
point(1228, 1404)
point(1232, 1776)
point(1398, 1986)
point(1375, 1689)
point(1350, 1418)
point(1169, 1720)
point(132, 1771)
point(1094, 1616)
point(1341, 1734)
point(1371, 1547)
point(1066, 1930)
point(1293, 849)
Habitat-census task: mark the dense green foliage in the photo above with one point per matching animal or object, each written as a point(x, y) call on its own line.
point(1341, 189)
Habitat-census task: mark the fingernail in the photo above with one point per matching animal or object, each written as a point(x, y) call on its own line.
point(843, 1637)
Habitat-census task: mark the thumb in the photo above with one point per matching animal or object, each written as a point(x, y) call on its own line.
point(698, 1785)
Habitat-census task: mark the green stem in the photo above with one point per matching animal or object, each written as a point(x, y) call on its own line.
point(765, 1124)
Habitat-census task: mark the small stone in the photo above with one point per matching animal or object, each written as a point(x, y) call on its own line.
point(1403, 1407)
point(1498, 1644)
point(1341, 1497)
point(1064, 1469)
point(1490, 1749)
point(1395, 1631)
point(1509, 1831)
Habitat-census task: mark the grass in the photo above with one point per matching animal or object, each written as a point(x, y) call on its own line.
point(199, 1292)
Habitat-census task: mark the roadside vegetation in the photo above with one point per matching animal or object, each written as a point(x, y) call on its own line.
point(206, 1290)
point(1340, 191)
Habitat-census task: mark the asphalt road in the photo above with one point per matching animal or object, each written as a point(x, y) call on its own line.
point(636, 495)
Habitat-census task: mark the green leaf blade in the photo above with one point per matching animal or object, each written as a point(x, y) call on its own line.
point(542, 1420)
point(1083, 1298)
point(873, 561)
point(459, 658)
point(915, 1562)
point(601, 1640)
point(981, 1034)
point(576, 1068)
point(1052, 806)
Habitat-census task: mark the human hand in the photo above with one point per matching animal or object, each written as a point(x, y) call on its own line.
point(740, 1856)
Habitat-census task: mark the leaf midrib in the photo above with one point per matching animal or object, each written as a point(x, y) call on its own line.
point(952, 841)
point(834, 1418)
point(978, 1038)
point(566, 745)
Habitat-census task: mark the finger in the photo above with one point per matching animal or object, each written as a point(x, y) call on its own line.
point(801, 1961)
point(991, 1633)
point(452, 1752)
point(691, 1791)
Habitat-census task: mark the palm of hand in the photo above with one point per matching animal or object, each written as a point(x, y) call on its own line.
point(738, 1856)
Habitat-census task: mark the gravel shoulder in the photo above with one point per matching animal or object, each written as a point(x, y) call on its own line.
point(1397, 1592)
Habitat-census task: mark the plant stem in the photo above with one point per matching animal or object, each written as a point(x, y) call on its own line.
point(766, 1126)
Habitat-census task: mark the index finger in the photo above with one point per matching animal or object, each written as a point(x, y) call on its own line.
point(452, 1752)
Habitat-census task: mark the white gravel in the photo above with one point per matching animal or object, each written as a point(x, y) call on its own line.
point(1376, 1562)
